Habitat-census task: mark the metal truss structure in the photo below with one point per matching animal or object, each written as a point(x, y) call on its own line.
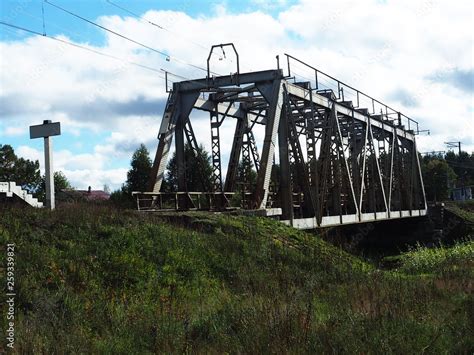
point(338, 162)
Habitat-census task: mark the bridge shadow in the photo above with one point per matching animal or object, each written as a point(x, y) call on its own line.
point(377, 240)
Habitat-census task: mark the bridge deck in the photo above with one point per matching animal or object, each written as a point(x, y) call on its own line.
point(330, 221)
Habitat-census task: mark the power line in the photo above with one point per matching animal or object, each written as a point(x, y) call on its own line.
point(176, 75)
point(42, 11)
point(160, 27)
point(82, 47)
point(67, 31)
point(159, 71)
point(106, 29)
point(79, 35)
point(166, 55)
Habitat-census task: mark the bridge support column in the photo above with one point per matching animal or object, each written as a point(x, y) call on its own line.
point(234, 157)
point(273, 94)
point(176, 111)
point(286, 190)
point(216, 150)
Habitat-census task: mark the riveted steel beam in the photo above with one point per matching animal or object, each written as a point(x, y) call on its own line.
point(273, 93)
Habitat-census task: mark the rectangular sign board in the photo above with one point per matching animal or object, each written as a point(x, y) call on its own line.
point(45, 130)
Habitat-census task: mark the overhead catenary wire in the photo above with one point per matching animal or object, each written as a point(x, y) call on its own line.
point(161, 27)
point(158, 71)
point(83, 48)
point(175, 75)
point(166, 55)
point(42, 12)
point(55, 25)
point(108, 55)
point(158, 26)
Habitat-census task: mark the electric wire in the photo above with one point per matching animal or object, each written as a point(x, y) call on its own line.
point(166, 55)
point(42, 11)
point(52, 24)
point(160, 27)
point(82, 47)
point(159, 71)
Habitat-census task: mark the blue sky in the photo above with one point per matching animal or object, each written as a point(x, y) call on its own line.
point(28, 13)
point(393, 50)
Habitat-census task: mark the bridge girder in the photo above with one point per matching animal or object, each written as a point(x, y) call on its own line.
point(337, 164)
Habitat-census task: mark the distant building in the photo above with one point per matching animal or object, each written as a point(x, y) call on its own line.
point(88, 195)
point(461, 193)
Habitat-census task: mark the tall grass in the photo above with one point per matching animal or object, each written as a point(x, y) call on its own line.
point(93, 279)
point(441, 259)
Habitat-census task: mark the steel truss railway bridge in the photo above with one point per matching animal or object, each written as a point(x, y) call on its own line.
point(338, 155)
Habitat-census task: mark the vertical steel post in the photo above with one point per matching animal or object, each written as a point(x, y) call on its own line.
point(273, 93)
point(235, 154)
point(180, 161)
point(253, 150)
point(247, 167)
point(48, 161)
point(216, 150)
point(286, 189)
point(288, 64)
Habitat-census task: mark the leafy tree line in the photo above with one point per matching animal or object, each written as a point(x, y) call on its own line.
point(442, 173)
point(198, 174)
point(26, 173)
point(463, 166)
point(140, 171)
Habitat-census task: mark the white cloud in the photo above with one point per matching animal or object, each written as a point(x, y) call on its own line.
point(30, 153)
point(15, 131)
point(387, 49)
point(82, 170)
point(83, 178)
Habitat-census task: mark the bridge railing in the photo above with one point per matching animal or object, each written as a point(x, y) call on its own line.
point(321, 82)
point(172, 201)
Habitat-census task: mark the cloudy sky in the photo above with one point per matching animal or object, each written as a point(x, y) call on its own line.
point(417, 56)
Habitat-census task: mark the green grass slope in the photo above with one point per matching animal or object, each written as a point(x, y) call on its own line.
point(93, 279)
point(463, 209)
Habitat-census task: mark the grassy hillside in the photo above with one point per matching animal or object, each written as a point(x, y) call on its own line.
point(94, 279)
point(463, 209)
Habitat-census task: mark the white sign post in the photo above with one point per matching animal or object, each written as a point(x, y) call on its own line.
point(46, 130)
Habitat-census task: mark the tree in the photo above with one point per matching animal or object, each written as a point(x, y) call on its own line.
point(24, 172)
point(139, 174)
point(137, 178)
point(198, 171)
point(61, 182)
point(122, 198)
point(438, 177)
point(246, 176)
point(463, 166)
